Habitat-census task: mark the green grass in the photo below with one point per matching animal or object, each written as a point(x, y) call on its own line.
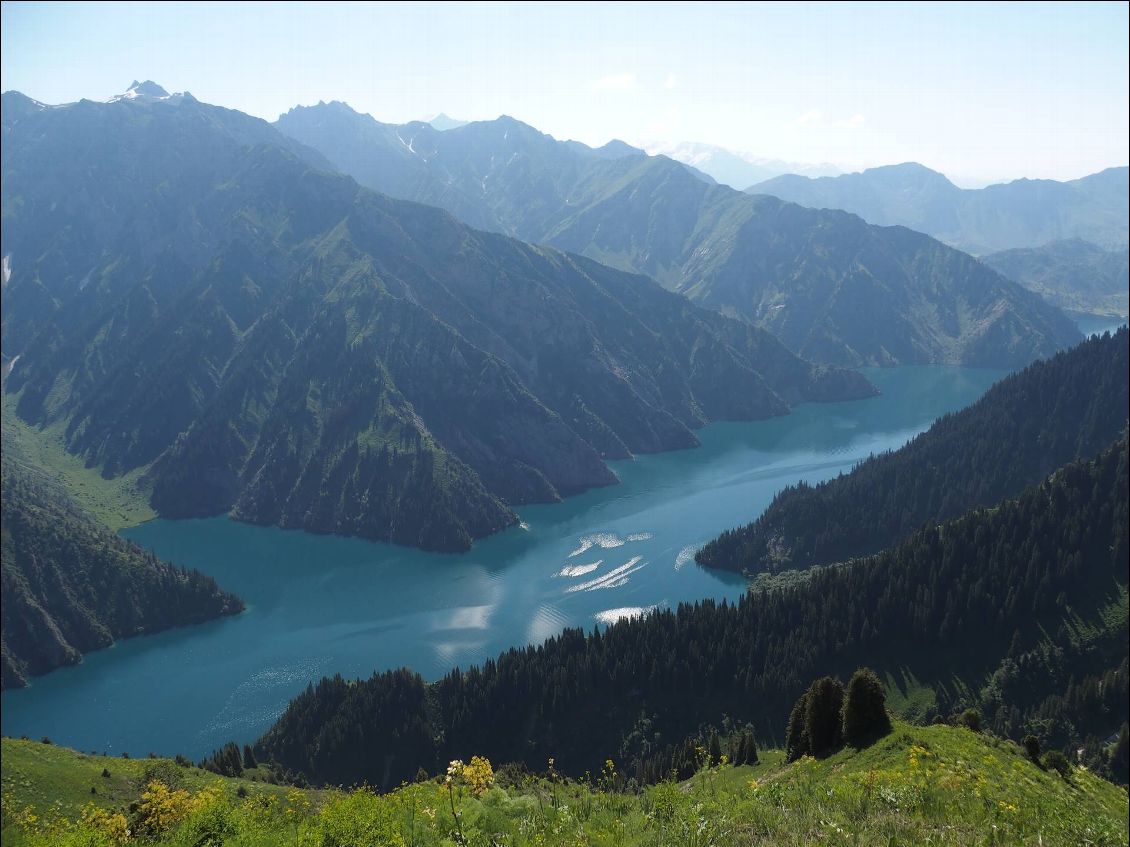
point(118, 503)
point(57, 781)
point(907, 695)
point(919, 785)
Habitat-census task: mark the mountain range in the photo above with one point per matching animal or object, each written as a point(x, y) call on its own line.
point(828, 285)
point(191, 292)
point(1020, 214)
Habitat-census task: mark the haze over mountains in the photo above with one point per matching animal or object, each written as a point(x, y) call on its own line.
point(371, 482)
point(1073, 274)
point(832, 288)
point(192, 292)
point(1019, 214)
point(734, 168)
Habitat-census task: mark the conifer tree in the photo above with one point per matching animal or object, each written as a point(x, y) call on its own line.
point(823, 719)
point(865, 710)
point(796, 738)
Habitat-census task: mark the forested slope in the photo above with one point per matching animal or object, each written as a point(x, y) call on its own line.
point(1068, 407)
point(70, 585)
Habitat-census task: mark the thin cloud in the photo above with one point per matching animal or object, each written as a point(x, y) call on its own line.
point(670, 82)
point(854, 122)
point(815, 118)
point(616, 82)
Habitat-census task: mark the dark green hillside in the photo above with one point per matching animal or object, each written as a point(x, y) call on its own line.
point(1034, 584)
point(828, 285)
point(1068, 407)
point(192, 297)
point(1025, 213)
point(71, 586)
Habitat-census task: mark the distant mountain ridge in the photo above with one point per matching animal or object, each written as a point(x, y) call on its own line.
point(194, 293)
point(1072, 274)
point(1019, 214)
point(442, 122)
point(734, 168)
point(828, 285)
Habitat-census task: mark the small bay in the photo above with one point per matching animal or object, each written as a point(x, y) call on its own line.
point(320, 605)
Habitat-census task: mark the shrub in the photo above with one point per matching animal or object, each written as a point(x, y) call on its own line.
point(970, 719)
point(1032, 748)
point(1056, 761)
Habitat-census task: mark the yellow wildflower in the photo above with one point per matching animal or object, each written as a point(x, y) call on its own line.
point(111, 824)
point(479, 775)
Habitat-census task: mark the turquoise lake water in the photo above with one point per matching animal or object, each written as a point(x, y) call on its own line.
point(319, 605)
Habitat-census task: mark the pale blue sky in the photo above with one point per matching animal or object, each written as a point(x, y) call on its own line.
point(978, 91)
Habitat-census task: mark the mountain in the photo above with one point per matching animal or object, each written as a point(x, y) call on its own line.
point(1019, 610)
point(1025, 426)
point(147, 90)
point(734, 168)
point(442, 122)
point(1072, 274)
point(832, 288)
point(1023, 213)
point(72, 586)
point(194, 294)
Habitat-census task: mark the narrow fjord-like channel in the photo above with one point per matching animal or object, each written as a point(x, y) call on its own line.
point(321, 605)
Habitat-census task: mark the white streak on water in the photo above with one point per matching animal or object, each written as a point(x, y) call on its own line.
point(579, 570)
point(639, 536)
point(603, 540)
point(613, 579)
point(7, 269)
point(610, 616)
point(686, 555)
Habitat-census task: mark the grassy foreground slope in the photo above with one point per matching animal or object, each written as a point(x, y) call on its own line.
point(919, 785)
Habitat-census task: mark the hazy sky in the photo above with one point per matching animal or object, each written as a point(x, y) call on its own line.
point(979, 91)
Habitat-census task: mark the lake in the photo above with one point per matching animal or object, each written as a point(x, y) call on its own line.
point(319, 605)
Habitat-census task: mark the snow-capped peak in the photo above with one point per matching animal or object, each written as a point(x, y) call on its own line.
point(147, 90)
